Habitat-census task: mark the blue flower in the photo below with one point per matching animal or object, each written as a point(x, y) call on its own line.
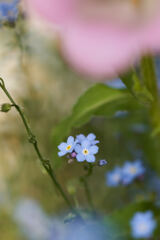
point(143, 225)
point(132, 170)
point(91, 138)
point(66, 147)
point(114, 177)
point(86, 151)
point(9, 11)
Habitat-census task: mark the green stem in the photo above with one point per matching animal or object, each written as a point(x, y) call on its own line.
point(149, 78)
point(32, 139)
point(84, 180)
point(149, 75)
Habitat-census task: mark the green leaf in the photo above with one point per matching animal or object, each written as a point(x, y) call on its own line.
point(137, 88)
point(99, 100)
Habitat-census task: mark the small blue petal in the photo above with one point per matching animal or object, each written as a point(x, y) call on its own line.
point(93, 149)
point(91, 137)
point(80, 157)
point(60, 154)
point(62, 146)
point(78, 148)
point(70, 140)
point(90, 158)
point(95, 142)
point(85, 144)
point(80, 138)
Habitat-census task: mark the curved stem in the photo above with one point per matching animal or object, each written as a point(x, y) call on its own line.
point(32, 139)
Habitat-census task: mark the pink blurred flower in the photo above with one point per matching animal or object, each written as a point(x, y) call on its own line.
point(103, 38)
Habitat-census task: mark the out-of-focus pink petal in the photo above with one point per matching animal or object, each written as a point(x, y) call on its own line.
point(100, 50)
point(54, 11)
point(151, 35)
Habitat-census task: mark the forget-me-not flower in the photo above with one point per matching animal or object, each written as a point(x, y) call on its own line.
point(91, 138)
point(114, 177)
point(9, 11)
point(143, 225)
point(132, 170)
point(66, 147)
point(86, 151)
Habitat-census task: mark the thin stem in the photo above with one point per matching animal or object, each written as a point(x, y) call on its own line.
point(84, 180)
point(88, 193)
point(32, 139)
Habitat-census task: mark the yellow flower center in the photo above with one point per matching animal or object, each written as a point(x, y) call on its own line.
point(85, 151)
point(68, 147)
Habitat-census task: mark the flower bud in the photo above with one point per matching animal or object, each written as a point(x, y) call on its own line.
point(6, 107)
point(71, 189)
point(102, 163)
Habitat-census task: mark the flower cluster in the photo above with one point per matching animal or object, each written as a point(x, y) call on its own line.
point(9, 11)
point(125, 174)
point(83, 148)
point(143, 225)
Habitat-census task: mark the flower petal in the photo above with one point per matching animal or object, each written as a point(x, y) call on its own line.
point(90, 158)
point(85, 144)
point(100, 50)
point(54, 11)
point(62, 146)
point(80, 157)
point(60, 154)
point(78, 148)
point(91, 137)
point(95, 142)
point(93, 149)
point(80, 137)
point(70, 140)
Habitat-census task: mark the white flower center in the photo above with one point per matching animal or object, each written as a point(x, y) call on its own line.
point(121, 11)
